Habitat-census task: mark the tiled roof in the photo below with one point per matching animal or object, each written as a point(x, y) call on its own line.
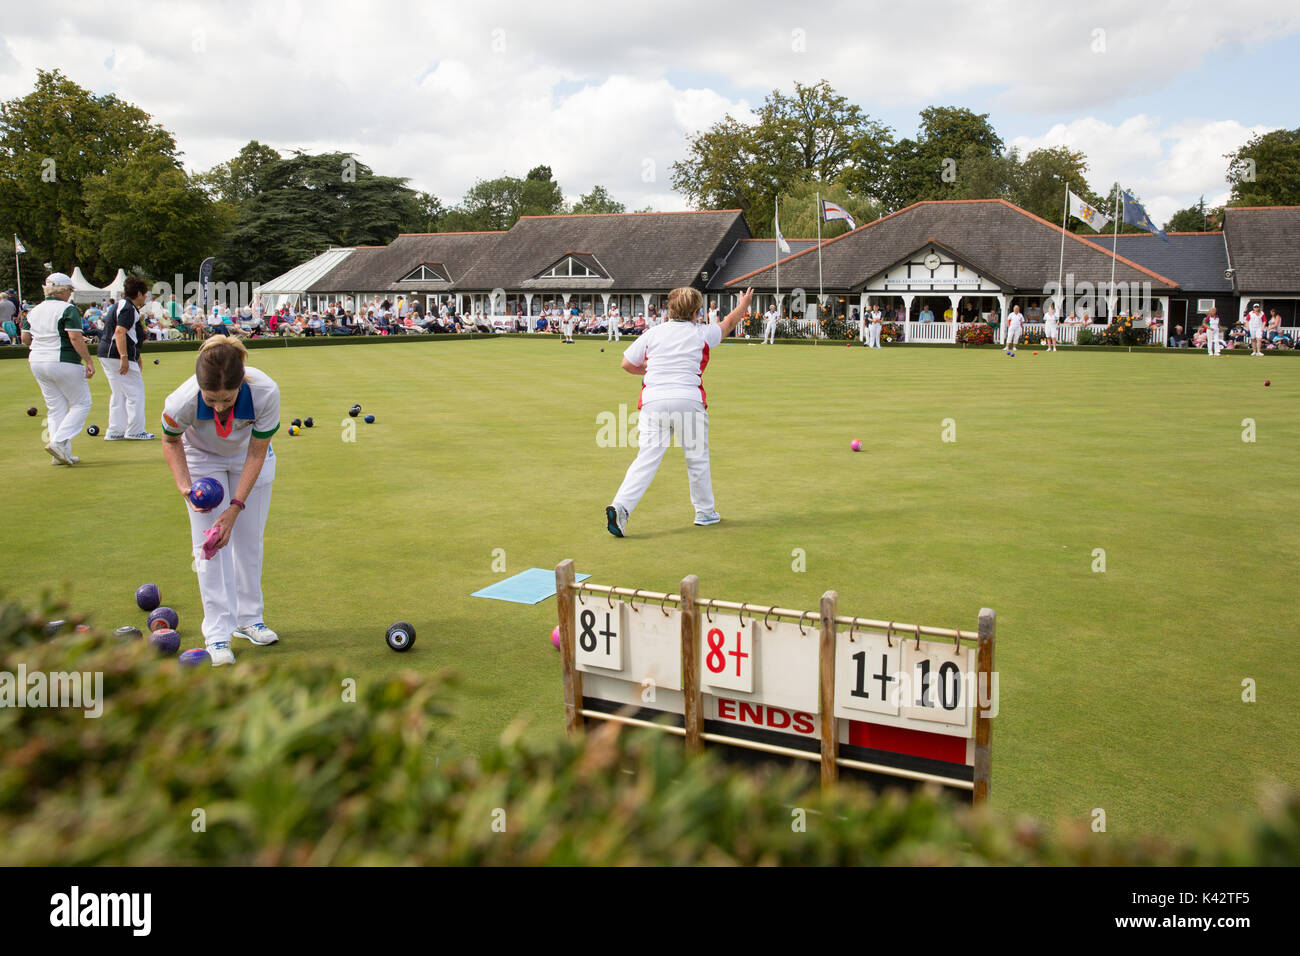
point(1264, 246)
point(381, 268)
point(750, 254)
point(991, 233)
point(1195, 260)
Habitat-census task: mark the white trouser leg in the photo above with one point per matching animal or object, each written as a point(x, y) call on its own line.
point(654, 441)
point(695, 442)
point(873, 335)
point(56, 402)
point(117, 396)
point(230, 583)
point(134, 381)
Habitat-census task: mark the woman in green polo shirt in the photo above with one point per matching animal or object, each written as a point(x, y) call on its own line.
point(61, 365)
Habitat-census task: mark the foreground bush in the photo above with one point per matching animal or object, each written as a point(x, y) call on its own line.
point(286, 772)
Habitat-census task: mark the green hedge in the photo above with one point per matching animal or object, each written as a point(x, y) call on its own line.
point(287, 772)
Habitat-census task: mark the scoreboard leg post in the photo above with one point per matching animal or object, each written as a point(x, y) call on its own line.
point(826, 663)
point(564, 584)
point(984, 724)
point(694, 718)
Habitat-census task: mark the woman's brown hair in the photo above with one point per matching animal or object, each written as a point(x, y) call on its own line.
point(684, 304)
point(220, 365)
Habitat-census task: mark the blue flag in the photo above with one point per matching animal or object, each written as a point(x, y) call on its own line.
point(1135, 215)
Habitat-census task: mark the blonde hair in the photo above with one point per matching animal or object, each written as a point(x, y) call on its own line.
point(220, 365)
point(684, 304)
point(55, 290)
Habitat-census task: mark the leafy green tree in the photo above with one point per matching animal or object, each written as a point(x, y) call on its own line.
point(1042, 176)
point(799, 210)
point(1196, 218)
point(598, 201)
point(497, 204)
point(239, 179)
point(1266, 170)
point(429, 212)
point(929, 167)
point(64, 154)
point(308, 203)
point(812, 135)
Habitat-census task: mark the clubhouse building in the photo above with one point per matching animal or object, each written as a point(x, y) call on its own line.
point(954, 261)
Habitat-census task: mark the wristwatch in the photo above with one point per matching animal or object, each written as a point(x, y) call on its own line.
point(236, 501)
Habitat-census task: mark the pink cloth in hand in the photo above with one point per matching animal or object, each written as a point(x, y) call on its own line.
point(210, 538)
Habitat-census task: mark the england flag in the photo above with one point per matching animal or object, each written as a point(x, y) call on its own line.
point(832, 212)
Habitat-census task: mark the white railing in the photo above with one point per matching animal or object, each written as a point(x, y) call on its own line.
point(930, 332)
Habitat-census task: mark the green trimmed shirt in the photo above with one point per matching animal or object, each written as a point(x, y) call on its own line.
point(49, 324)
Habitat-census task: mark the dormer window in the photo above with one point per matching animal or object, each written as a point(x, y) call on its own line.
point(427, 272)
point(570, 268)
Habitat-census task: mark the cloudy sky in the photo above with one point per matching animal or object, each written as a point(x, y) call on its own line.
point(1154, 94)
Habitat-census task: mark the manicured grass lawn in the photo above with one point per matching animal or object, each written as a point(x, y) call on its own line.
point(1120, 690)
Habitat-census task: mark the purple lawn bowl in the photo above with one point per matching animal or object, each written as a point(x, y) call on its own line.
point(207, 493)
point(164, 617)
point(195, 657)
point(147, 596)
point(166, 640)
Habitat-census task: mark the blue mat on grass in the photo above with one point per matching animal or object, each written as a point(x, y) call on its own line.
point(527, 587)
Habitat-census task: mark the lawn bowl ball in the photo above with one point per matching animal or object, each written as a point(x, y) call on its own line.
point(207, 493)
point(194, 657)
point(155, 361)
point(294, 430)
point(354, 411)
point(31, 410)
point(370, 419)
point(147, 597)
point(555, 638)
point(92, 431)
point(166, 640)
point(856, 445)
point(128, 631)
point(296, 421)
point(1267, 383)
point(83, 628)
point(400, 636)
point(163, 617)
point(309, 423)
point(53, 627)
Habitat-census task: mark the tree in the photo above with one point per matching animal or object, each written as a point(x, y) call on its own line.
point(308, 203)
point(497, 204)
point(428, 214)
point(812, 135)
point(597, 201)
point(799, 210)
point(239, 179)
point(1042, 177)
point(63, 158)
point(929, 167)
point(1266, 171)
point(1196, 218)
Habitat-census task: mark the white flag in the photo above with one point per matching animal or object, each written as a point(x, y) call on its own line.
point(832, 212)
point(18, 246)
point(1089, 214)
point(780, 239)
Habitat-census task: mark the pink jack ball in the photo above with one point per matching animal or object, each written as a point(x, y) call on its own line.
point(855, 445)
point(555, 637)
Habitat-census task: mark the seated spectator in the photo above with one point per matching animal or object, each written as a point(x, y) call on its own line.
point(214, 324)
point(315, 326)
point(1178, 338)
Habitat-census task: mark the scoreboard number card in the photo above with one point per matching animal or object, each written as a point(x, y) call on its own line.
point(599, 629)
point(727, 653)
point(868, 675)
point(654, 647)
point(786, 673)
point(938, 685)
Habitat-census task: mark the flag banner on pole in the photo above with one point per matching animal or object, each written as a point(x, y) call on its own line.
point(834, 212)
point(205, 276)
point(19, 248)
point(1135, 215)
point(780, 239)
point(1088, 213)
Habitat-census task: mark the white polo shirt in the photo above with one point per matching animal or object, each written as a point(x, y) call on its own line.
point(256, 414)
point(675, 355)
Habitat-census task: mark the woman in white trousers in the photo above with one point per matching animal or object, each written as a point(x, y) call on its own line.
point(219, 424)
point(61, 365)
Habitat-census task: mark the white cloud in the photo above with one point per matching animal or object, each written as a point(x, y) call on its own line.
point(1168, 165)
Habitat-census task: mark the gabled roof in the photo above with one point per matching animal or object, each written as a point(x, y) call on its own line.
point(582, 258)
point(639, 251)
point(300, 278)
point(1264, 245)
point(382, 268)
point(751, 254)
point(1195, 260)
point(993, 234)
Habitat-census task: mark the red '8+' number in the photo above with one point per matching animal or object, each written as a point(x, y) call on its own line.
point(716, 640)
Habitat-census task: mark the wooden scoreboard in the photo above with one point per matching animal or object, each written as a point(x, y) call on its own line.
point(863, 698)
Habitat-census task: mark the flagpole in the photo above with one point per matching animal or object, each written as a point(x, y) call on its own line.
point(820, 291)
point(1114, 240)
point(776, 251)
point(1060, 269)
point(18, 271)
